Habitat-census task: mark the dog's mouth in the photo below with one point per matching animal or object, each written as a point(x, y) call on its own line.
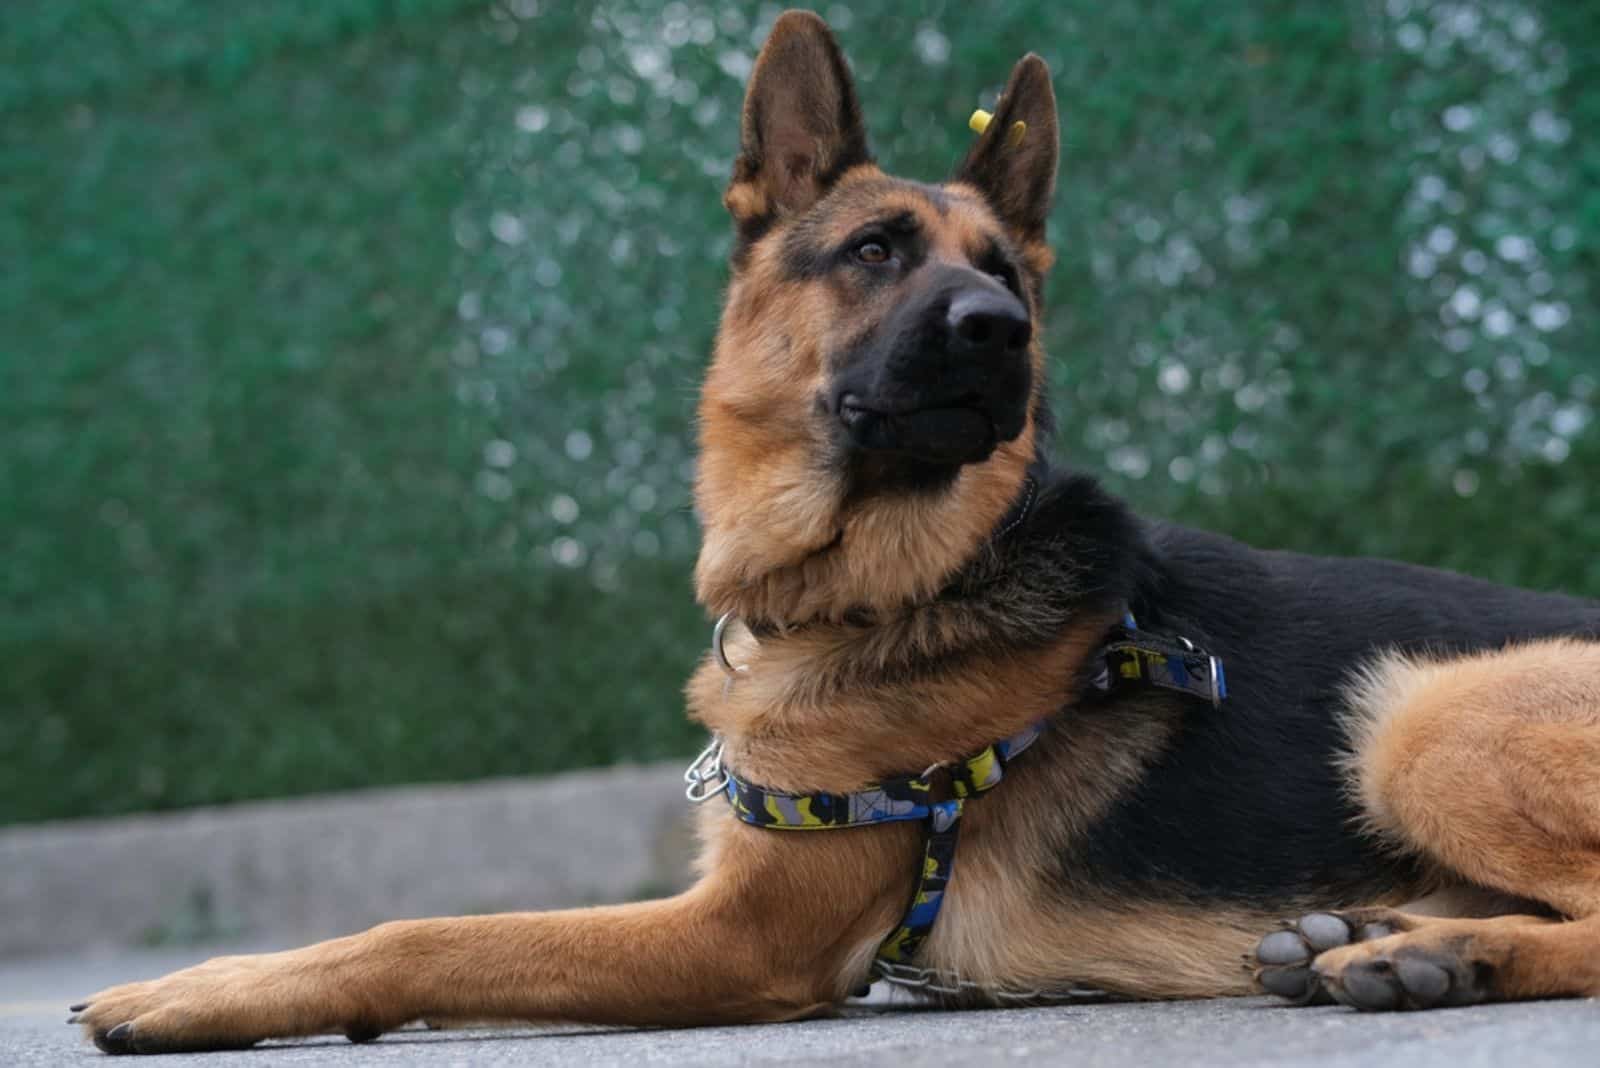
point(957, 431)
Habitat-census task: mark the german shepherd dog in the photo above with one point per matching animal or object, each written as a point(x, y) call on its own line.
point(1406, 760)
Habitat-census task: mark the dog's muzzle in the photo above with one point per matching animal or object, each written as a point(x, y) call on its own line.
point(955, 435)
point(952, 390)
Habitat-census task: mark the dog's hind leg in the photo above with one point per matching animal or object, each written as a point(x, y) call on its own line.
point(1487, 766)
point(1316, 959)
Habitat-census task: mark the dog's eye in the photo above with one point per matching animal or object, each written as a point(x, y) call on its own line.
point(872, 252)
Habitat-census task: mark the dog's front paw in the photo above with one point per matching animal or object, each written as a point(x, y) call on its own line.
point(225, 1003)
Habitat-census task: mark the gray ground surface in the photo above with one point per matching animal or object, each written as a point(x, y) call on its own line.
point(310, 867)
point(34, 996)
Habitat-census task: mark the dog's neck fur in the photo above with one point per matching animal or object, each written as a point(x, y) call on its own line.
point(838, 704)
point(807, 553)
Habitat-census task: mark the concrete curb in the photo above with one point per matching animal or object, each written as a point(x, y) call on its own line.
point(319, 866)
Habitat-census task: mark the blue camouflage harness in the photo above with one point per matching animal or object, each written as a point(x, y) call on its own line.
point(936, 796)
point(1130, 657)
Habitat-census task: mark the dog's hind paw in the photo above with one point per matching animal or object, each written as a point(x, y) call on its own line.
point(1426, 969)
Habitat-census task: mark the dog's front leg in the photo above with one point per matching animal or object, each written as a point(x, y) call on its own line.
point(769, 942)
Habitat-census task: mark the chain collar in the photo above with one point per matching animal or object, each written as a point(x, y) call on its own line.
point(932, 982)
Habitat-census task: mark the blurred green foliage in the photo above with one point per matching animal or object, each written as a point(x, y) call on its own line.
point(348, 347)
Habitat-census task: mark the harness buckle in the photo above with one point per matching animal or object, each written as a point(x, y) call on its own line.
point(1173, 663)
point(1213, 673)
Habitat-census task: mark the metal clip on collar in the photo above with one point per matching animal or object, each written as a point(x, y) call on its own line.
point(706, 775)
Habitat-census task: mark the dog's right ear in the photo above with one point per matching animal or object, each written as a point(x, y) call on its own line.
point(801, 128)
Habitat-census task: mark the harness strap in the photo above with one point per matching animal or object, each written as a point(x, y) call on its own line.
point(937, 796)
point(911, 797)
point(938, 858)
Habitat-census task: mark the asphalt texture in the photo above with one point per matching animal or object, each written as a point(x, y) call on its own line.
point(1251, 1031)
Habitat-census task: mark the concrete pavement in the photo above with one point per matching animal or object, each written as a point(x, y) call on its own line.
point(1256, 1031)
point(312, 867)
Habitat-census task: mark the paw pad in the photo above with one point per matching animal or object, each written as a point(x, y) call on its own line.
point(1323, 931)
point(1410, 978)
point(1284, 957)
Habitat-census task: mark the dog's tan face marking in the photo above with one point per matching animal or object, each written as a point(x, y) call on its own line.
point(786, 320)
point(954, 218)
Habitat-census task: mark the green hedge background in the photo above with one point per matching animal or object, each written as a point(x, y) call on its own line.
point(348, 348)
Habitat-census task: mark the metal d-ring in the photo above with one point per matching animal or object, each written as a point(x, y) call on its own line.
point(728, 667)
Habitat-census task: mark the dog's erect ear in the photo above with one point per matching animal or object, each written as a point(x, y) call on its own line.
point(801, 127)
point(1016, 170)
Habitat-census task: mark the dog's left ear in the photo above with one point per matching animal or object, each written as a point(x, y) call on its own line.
point(801, 127)
point(1016, 169)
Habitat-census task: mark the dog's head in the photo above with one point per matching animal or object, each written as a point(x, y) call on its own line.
point(870, 409)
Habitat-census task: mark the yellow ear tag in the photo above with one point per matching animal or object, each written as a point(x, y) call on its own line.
point(980, 122)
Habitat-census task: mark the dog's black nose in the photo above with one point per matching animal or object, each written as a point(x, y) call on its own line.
point(987, 322)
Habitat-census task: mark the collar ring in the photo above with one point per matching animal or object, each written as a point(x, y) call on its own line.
point(718, 635)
